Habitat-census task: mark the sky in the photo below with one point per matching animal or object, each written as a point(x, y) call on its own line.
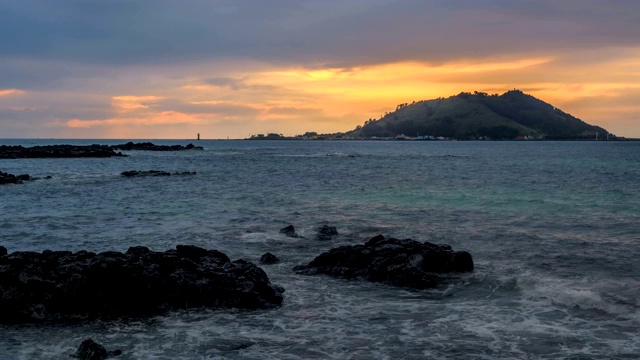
point(170, 69)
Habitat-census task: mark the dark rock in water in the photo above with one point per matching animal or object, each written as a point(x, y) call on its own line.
point(397, 262)
point(91, 350)
point(326, 232)
point(3, 251)
point(148, 146)
point(269, 259)
point(289, 231)
point(6, 178)
point(61, 285)
point(134, 173)
point(57, 151)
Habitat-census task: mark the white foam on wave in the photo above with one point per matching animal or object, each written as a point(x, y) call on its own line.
point(518, 312)
point(567, 294)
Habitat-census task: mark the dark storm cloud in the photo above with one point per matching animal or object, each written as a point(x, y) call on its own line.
point(314, 32)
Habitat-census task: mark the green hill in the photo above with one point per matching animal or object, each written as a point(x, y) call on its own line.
point(480, 115)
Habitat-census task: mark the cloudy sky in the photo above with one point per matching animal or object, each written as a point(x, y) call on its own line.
point(175, 68)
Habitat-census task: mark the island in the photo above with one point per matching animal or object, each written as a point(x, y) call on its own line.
point(512, 115)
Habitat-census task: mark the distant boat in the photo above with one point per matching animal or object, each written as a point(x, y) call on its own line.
point(198, 136)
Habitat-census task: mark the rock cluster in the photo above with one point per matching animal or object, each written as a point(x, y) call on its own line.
point(61, 285)
point(57, 151)
point(397, 262)
point(6, 178)
point(148, 146)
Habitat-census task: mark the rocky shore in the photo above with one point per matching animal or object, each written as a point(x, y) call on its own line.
point(406, 263)
point(57, 151)
point(66, 286)
point(84, 151)
point(148, 146)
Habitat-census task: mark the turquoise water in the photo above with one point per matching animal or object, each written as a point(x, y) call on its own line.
point(553, 228)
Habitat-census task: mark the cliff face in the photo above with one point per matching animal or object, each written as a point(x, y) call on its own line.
point(480, 115)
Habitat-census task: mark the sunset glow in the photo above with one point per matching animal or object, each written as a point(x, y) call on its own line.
point(284, 83)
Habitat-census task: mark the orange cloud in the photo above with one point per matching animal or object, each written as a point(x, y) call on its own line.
point(130, 103)
point(162, 118)
point(10, 92)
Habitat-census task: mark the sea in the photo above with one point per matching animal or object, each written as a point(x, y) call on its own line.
point(553, 228)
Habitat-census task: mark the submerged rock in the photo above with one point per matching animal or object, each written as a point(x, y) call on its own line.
point(326, 232)
point(149, 146)
point(269, 259)
point(57, 151)
point(289, 231)
point(61, 285)
point(397, 262)
point(91, 350)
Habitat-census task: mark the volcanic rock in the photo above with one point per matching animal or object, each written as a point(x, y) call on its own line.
point(57, 151)
point(397, 262)
point(148, 146)
point(133, 173)
point(91, 350)
point(6, 178)
point(269, 259)
point(61, 285)
point(289, 231)
point(326, 232)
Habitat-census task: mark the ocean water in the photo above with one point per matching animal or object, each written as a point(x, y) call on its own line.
point(554, 229)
